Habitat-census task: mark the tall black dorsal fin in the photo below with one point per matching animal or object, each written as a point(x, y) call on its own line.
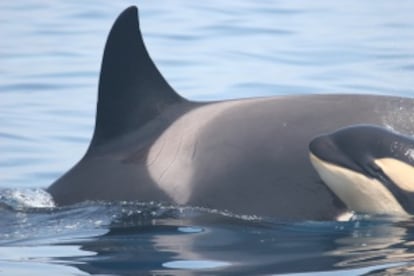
point(131, 89)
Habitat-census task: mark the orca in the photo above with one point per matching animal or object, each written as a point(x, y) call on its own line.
point(246, 156)
point(370, 168)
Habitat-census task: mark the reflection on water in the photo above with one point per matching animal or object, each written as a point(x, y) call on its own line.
point(130, 238)
point(50, 53)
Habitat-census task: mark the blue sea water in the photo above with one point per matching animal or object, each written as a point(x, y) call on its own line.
point(50, 54)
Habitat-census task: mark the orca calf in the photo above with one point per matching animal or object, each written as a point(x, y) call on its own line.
point(247, 156)
point(369, 168)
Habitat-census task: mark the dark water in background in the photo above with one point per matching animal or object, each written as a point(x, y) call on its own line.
point(50, 53)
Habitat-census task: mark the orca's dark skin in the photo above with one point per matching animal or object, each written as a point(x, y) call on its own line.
point(247, 156)
point(370, 168)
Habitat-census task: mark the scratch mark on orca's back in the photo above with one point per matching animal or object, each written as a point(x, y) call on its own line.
point(173, 160)
point(157, 155)
point(193, 155)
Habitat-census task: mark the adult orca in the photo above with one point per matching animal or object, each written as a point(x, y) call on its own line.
point(370, 168)
point(247, 156)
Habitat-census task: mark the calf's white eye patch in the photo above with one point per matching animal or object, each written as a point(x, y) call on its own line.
point(401, 173)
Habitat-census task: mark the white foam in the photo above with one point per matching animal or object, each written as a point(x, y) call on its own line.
point(26, 198)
